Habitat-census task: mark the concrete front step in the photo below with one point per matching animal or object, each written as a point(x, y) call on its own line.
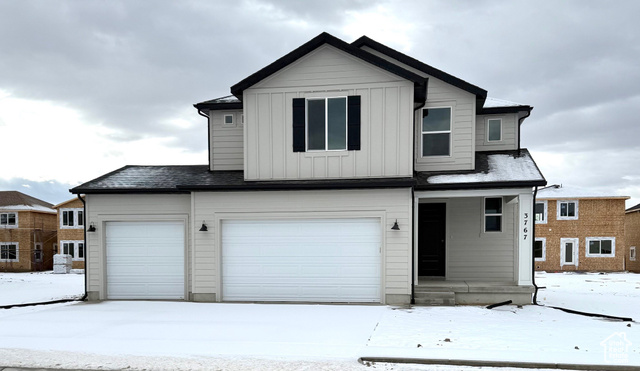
point(435, 298)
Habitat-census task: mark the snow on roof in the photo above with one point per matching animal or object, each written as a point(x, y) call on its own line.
point(560, 191)
point(495, 102)
point(502, 168)
point(27, 208)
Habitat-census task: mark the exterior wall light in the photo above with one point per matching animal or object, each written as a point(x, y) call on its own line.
point(92, 227)
point(204, 227)
point(395, 227)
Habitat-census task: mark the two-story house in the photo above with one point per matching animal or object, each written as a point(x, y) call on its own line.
point(71, 231)
point(579, 230)
point(27, 233)
point(338, 173)
point(632, 237)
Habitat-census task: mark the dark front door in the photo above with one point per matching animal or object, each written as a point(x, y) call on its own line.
point(431, 239)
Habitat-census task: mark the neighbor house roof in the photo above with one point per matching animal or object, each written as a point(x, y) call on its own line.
point(633, 209)
point(557, 191)
point(18, 201)
point(495, 169)
point(495, 105)
point(66, 202)
point(420, 83)
point(228, 102)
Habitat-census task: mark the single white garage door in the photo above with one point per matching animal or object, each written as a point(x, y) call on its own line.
point(316, 260)
point(145, 260)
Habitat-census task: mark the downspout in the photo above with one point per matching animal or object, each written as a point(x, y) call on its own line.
point(520, 120)
point(413, 210)
point(533, 259)
point(86, 248)
point(208, 135)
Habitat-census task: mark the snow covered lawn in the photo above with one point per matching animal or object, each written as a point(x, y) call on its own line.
point(199, 336)
point(34, 287)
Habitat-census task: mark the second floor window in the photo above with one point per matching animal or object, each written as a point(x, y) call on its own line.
point(567, 210)
point(436, 131)
point(72, 218)
point(494, 130)
point(8, 219)
point(541, 212)
point(327, 124)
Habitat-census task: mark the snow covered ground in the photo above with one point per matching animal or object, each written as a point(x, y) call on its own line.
point(35, 287)
point(203, 336)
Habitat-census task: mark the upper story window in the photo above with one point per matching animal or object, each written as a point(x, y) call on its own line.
point(494, 130)
point(327, 124)
point(541, 212)
point(493, 214)
point(436, 131)
point(567, 210)
point(227, 120)
point(9, 220)
point(71, 218)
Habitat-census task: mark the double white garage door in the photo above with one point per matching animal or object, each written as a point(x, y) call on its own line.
point(314, 260)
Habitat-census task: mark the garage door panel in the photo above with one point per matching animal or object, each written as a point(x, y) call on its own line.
point(145, 260)
point(330, 260)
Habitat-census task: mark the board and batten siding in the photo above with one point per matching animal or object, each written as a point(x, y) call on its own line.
point(509, 133)
point(473, 254)
point(226, 141)
point(105, 208)
point(384, 204)
point(386, 120)
point(463, 110)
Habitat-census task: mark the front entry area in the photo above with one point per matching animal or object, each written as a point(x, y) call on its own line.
point(308, 260)
point(432, 239)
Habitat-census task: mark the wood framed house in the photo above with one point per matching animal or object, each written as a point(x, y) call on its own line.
point(27, 233)
point(579, 230)
point(341, 172)
point(632, 237)
point(71, 231)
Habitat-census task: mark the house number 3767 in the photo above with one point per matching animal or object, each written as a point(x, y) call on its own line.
point(525, 230)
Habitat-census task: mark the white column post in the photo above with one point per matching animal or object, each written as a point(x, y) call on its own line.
point(525, 238)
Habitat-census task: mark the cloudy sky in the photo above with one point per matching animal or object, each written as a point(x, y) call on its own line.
point(87, 87)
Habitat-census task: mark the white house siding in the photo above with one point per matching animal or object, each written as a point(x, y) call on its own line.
point(509, 133)
point(226, 151)
point(473, 254)
point(441, 94)
point(386, 120)
point(105, 208)
point(385, 204)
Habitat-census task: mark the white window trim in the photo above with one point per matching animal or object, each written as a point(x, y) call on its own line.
point(566, 217)
point(485, 215)
point(75, 249)
point(242, 119)
point(76, 219)
point(224, 119)
point(10, 226)
point(17, 259)
point(545, 211)
point(544, 249)
point(632, 253)
point(487, 130)
point(326, 124)
point(590, 255)
point(576, 248)
point(450, 132)
point(38, 247)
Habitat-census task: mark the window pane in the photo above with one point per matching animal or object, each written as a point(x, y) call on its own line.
point(563, 209)
point(80, 250)
point(228, 119)
point(337, 111)
point(594, 247)
point(492, 223)
point(572, 209)
point(71, 248)
point(3, 219)
point(537, 249)
point(65, 218)
point(11, 219)
point(539, 212)
point(13, 252)
point(70, 217)
point(494, 130)
point(493, 205)
point(568, 252)
point(605, 247)
point(435, 144)
point(80, 217)
point(436, 119)
point(315, 124)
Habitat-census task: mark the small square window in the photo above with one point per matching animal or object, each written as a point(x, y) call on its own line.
point(494, 130)
point(228, 120)
point(493, 214)
point(567, 210)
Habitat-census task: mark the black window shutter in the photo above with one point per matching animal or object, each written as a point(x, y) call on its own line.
point(299, 135)
point(353, 123)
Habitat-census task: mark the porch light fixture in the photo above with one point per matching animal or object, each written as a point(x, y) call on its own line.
point(204, 227)
point(395, 227)
point(92, 227)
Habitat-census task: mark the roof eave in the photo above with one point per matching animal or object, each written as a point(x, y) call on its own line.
point(481, 185)
point(508, 109)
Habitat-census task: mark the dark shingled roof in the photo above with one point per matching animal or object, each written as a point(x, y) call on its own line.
point(633, 208)
point(15, 198)
point(184, 179)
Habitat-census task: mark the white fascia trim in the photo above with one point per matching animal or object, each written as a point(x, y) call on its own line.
point(17, 259)
point(613, 247)
point(495, 192)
